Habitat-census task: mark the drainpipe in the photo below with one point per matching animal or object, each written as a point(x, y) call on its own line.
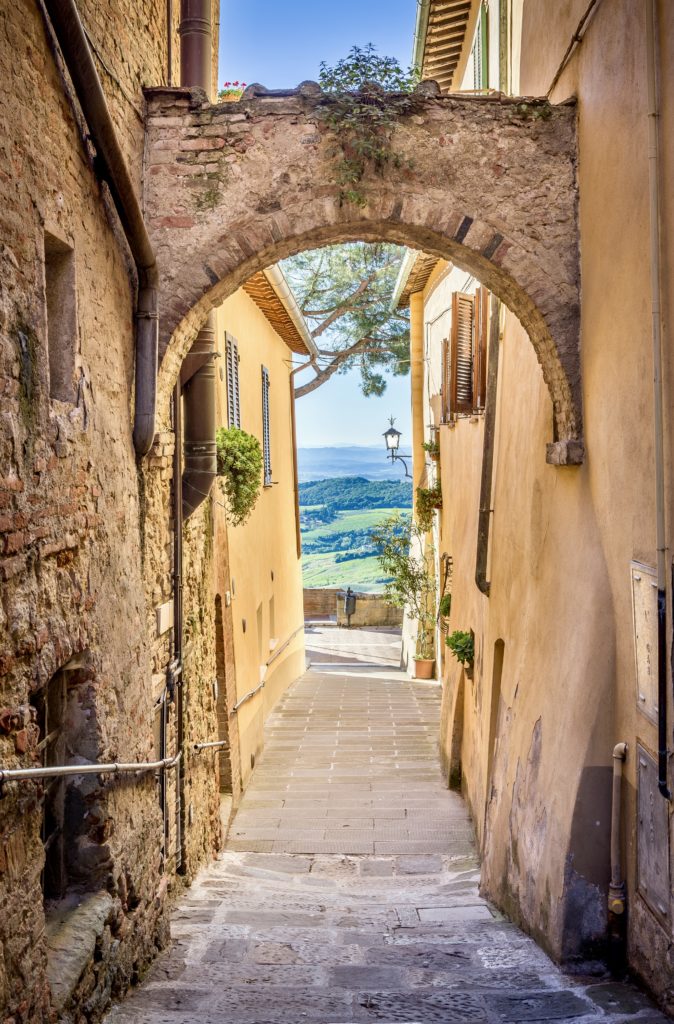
point(652, 60)
point(417, 391)
point(293, 425)
point(484, 515)
point(111, 167)
point(420, 29)
point(616, 892)
point(200, 456)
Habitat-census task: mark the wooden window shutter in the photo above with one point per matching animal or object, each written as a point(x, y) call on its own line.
point(446, 380)
point(232, 374)
point(480, 350)
point(266, 439)
point(461, 354)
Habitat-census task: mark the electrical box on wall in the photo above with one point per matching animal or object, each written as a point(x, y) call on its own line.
point(652, 836)
point(645, 620)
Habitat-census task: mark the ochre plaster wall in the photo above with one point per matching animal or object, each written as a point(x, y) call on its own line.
point(562, 539)
point(265, 571)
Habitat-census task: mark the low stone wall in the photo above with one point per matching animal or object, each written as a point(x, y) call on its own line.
point(371, 609)
point(320, 602)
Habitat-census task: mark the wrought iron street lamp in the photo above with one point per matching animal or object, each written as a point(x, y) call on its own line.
point(392, 438)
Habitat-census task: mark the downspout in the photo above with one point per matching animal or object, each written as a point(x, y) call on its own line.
point(112, 168)
point(653, 87)
point(417, 391)
point(484, 515)
point(200, 456)
point(293, 423)
point(616, 892)
point(175, 669)
point(420, 30)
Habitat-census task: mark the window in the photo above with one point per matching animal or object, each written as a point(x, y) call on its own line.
point(461, 354)
point(61, 316)
point(464, 356)
point(266, 448)
point(232, 372)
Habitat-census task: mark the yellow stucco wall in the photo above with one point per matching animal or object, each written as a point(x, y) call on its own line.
point(264, 570)
point(562, 539)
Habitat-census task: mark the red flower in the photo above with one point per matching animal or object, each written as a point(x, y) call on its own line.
point(225, 84)
point(235, 83)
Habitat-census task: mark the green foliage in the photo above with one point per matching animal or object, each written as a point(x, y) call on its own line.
point(344, 292)
point(355, 492)
point(240, 469)
point(432, 447)
point(462, 645)
point(408, 559)
point(445, 606)
point(366, 94)
point(428, 499)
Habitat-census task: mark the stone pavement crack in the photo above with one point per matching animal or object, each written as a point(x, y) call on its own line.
point(348, 891)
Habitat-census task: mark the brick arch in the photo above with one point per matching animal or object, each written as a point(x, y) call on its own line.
point(502, 206)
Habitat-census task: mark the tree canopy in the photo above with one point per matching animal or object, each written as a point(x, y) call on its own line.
point(344, 292)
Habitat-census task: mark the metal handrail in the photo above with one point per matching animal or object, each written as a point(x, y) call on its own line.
point(286, 642)
point(56, 771)
point(211, 746)
point(247, 696)
point(277, 652)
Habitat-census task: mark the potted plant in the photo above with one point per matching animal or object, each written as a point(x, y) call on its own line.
point(444, 608)
point(427, 500)
point(433, 449)
point(408, 559)
point(240, 470)
point(231, 92)
point(462, 645)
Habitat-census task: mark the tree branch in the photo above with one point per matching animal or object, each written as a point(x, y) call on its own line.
point(326, 373)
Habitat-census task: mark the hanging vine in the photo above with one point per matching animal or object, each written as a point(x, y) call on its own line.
point(365, 95)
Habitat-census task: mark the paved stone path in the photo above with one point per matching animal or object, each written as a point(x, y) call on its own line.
point(348, 891)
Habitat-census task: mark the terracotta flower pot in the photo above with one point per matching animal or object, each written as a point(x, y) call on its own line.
point(423, 668)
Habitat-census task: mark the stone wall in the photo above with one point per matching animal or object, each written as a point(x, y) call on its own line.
point(85, 538)
point(321, 602)
point(371, 610)
point(486, 182)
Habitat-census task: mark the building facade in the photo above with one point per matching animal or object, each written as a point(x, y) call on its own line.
point(115, 626)
point(257, 340)
point(555, 570)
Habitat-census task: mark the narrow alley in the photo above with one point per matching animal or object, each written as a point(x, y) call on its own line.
point(348, 890)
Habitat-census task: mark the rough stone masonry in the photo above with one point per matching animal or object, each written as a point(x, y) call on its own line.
point(485, 181)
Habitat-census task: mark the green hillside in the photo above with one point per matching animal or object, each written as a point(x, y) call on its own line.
point(337, 522)
point(354, 492)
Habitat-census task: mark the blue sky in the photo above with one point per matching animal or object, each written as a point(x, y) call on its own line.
point(280, 45)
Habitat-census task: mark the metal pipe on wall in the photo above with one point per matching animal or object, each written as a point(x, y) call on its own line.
point(62, 771)
point(69, 32)
point(484, 514)
point(653, 114)
point(616, 893)
point(200, 463)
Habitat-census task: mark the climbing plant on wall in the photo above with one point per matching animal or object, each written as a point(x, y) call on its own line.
point(365, 96)
point(239, 470)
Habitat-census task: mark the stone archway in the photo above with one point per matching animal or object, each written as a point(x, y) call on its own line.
point(487, 182)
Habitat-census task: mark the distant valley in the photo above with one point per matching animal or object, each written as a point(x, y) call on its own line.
point(337, 516)
point(323, 463)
